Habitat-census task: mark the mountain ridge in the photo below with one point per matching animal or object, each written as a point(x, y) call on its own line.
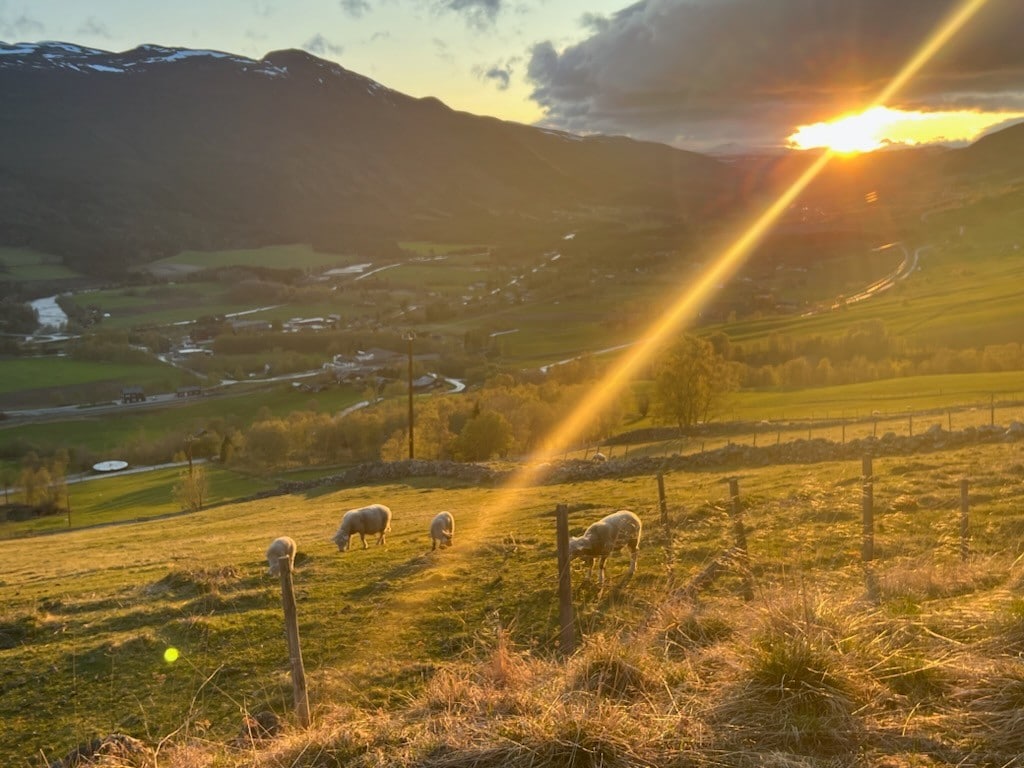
point(110, 160)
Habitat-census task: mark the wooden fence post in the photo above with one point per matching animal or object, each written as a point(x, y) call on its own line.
point(565, 617)
point(291, 624)
point(662, 503)
point(964, 519)
point(867, 548)
point(740, 536)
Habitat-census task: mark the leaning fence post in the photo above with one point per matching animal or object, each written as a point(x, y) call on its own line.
point(662, 504)
point(740, 536)
point(291, 624)
point(565, 617)
point(964, 513)
point(867, 548)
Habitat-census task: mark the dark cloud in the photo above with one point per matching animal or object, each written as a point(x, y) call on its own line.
point(478, 13)
point(501, 76)
point(595, 22)
point(94, 28)
point(702, 72)
point(321, 46)
point(18, 28)
point(355, 8)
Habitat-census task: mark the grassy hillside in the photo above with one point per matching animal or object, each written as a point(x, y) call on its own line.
point(450, 658)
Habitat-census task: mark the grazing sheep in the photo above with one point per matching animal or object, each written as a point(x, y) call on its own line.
point(279, 548)
point(376, 518)
point(599, 458)
point(442, 529)
point(604, 537)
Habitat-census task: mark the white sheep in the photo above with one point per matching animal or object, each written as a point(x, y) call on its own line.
point(599, 458)
point(604, 537)
point(375, 518)
point(280, 548)
point(442, 529)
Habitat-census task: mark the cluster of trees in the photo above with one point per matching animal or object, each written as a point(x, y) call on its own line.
point(505, 417)
point(17, 317)
point(864, 352)
point(43, 481)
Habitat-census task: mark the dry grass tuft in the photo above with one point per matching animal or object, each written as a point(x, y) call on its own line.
point(687, 628)
point(795, 691)
point(611, 669)
point(930, 578)
point(993, 712)
point(190, 582)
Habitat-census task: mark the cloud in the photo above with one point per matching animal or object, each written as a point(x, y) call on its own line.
point(499, 74)
point(321, 46)
point(355, 8)
point(19, 28)
point(700, 72)
point(92, 27)
point(480, 14)
point(595, 22)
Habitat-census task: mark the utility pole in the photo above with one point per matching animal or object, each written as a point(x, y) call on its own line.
point(409, 336)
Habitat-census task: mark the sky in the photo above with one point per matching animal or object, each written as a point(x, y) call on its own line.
point(706, 75)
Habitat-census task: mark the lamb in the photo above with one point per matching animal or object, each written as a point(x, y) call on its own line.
point(375, 518)
point(442, 529)
point(604, 537)
point(281, 547)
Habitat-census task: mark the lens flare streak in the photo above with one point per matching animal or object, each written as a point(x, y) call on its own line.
point(723, 267)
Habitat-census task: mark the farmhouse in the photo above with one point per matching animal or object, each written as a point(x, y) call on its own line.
point(132, 394)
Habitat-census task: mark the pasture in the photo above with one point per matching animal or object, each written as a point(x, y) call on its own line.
point(397, 635)
point(128, 429)
point(297, 256)
point(23, 264)
point(97, 500)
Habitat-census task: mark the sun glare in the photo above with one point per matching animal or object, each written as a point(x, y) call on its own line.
point(881, 126)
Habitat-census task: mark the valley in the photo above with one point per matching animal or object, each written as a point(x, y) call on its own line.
point(334, 294)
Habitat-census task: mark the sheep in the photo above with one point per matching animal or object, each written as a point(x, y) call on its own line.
point(604, 537)
point(442, 529)
point(375, 518)
point(599, 458)
point(280, 548)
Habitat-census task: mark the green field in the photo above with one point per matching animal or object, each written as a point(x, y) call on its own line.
point(298, 256)
point(161, 305)
point(103, 435)
point(58, 381)
point(404, 648)
point(22, 264)
point(105, 499)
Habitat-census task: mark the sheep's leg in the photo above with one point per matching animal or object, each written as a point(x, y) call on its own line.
point(632, 562)
point(382, 535)
point(433, 544)
point(600, 571)
point(362, 538)
point(590, 568)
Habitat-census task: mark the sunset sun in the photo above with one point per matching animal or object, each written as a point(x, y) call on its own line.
point(881, 126)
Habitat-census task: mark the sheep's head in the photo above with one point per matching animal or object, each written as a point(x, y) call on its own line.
point(580, 546)
point(342, 539)
point(446, 539)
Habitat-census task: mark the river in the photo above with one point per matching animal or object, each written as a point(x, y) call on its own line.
point(51, 316)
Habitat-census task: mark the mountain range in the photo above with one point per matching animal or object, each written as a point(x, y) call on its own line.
point(109, 159)
point(114, 159)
